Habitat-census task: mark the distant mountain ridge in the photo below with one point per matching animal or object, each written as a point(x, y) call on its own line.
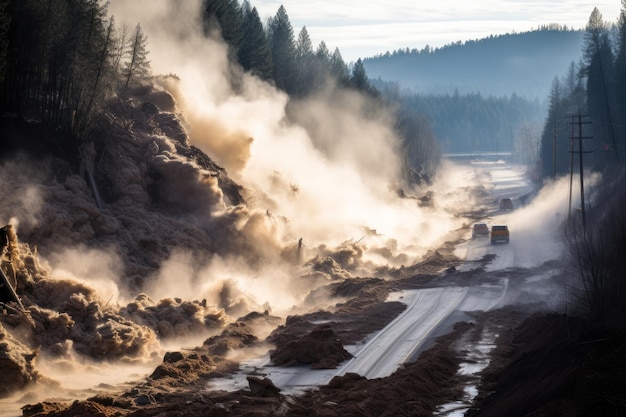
point(522, 63)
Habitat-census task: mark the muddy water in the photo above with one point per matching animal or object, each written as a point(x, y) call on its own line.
point(476, 358)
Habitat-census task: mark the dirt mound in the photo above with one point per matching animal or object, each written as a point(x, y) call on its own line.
point(416, 389)
point(182, 368)
point(137, 176)
point(16, 364)
point(77, 409)
point(434, 261)
point(262, 387)
point(320, 348)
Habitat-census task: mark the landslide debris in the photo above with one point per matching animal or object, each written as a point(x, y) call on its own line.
point(319, 348)
point(135, 185)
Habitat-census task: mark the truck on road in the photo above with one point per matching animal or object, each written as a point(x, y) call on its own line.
point(499, 233)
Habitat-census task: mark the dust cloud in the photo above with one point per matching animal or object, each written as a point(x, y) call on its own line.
point(95, 268)
point(536, 228)
point(321, 181)
point(320, 173)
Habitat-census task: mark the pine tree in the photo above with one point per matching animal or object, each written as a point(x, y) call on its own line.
point(338, 68)
point(121, 46)
point(137, 67)
point(322, 54)
point(101, 81)
point(305, 64)
point(254, 54)
point(280, 34)
point(620, 82)
point(572, 87)
point(556, 122)
point(359, 78)
point(598, 59)
point(224, 16)
point(304, 47)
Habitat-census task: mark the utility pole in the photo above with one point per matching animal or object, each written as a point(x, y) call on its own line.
point(571, 169)
point(554, 149)
point(580, 153)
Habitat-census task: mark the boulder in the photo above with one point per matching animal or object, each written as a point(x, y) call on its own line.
point(320, 348)
point(262, 387)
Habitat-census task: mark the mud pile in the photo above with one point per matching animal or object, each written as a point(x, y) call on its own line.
point(58, 318)
point(319, 348)
point(140, 190)
point(416, 389)
point(173, 317)
point(16, 363)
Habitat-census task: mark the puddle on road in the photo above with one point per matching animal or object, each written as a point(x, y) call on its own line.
point(476, 358)
point(292, 380)
point(237, 380)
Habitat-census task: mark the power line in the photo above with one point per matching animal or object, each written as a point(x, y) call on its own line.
point(607, 123)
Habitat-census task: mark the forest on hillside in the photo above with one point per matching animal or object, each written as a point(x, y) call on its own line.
point(589, 100)
point(65, 74)
point(472, 122)
point(585, 134)
point(481, 95)
point(520, 63)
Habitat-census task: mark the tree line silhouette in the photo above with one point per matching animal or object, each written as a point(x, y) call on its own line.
point(482, 95)
point(594, 91)
point(471, 122)
point(595, 88)
point(275, 54)
point(61, 60)
point(494, 65)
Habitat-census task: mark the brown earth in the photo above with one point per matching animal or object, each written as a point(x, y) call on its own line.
point(544, 363)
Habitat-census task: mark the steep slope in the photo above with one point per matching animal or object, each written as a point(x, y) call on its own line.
point(138, 170)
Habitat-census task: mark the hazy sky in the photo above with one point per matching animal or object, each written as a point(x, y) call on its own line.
point(368, 27)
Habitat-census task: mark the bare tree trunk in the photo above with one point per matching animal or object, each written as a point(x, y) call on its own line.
point(87, 164)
